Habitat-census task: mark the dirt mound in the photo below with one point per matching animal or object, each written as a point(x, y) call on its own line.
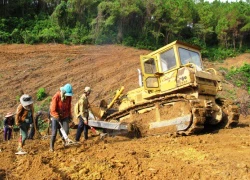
point(217, 154)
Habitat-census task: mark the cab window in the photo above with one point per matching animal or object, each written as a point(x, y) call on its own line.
point(168, 60)
point(188, 56)
point(152, 82)
point(150, 66)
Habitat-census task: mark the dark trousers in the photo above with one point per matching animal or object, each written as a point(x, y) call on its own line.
point(81, 127)
point(55, 126)
point(7, 133)
point(24, 127)
point(32, 130)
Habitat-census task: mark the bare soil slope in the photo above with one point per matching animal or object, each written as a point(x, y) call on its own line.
point(217, 154)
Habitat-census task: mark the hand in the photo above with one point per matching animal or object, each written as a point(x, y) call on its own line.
point(85, 121)
point(72, 125)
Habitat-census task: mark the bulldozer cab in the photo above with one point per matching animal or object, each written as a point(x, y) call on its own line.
point(160, 68)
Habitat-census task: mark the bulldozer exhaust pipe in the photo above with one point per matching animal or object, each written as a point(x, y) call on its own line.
point(140, 78)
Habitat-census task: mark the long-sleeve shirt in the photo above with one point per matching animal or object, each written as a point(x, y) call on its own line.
point(82, 106)
point(22, 114)
point(60, 109)
point(9, 121)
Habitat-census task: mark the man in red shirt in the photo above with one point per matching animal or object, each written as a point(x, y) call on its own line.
point(60, 110)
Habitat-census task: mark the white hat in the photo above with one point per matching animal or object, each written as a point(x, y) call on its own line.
point(87, 89)
point(26, 100)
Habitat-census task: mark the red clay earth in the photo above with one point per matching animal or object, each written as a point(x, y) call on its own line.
point(217, 154)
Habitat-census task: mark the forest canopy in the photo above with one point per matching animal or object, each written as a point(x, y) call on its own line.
point(147, 24)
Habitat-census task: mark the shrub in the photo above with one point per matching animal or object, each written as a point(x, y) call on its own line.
point(28, 37)
point(79, 35)
point(240, 76)
point(44, 106)
point(17, 98)
point(40, 95)
point(16, 37)
point(48, 35)
point(42, 125)
point(218, 54)
point(4, 36)
point(128, 41)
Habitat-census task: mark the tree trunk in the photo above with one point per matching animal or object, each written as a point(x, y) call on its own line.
point(240, 41)
point(226, 41)
point(120, 31)
point(167, 34)
point(234, 42)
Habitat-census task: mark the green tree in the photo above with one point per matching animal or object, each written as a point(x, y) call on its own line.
point(60, 14)
point(113, 18)
point(166, 19)
point(233, 24)
point(245, 29)
point(206, 22)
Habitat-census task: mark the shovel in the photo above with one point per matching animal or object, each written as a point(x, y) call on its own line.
point(20, 153)
point(68, 141)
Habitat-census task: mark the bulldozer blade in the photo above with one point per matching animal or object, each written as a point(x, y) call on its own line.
point(182, 123)
point(108, 125)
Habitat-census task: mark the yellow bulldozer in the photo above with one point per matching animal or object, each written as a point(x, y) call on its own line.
point(175, 95)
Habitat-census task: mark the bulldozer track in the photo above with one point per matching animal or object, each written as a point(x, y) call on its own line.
point(231, 112)
point(197, 111)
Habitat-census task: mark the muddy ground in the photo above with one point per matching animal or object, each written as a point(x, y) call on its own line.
point(213, 154)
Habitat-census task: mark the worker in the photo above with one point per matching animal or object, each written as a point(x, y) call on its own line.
point(8, 123)
point(82, 113)
point(60, 111)
point(24, 117)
